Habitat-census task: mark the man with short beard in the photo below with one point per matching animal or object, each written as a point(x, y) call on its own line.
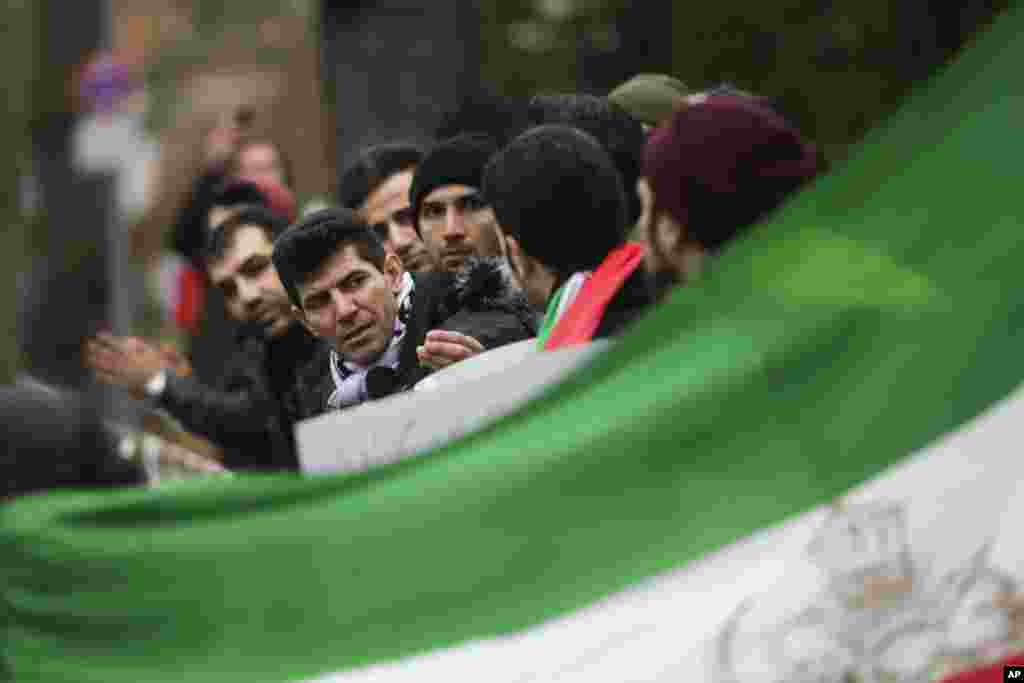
point(719, 166)
point(450, 212)
point(269, 383)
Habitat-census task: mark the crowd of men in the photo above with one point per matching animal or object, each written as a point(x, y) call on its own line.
point(564, 220)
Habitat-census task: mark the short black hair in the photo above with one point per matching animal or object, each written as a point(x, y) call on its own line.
point(303, 249)
point(373, 166)
point(617, 130)
point(556, 190)
point(223, 235)
point(236, 192)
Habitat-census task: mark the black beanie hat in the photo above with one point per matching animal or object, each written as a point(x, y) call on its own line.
point(556, 190)
point(457, 161)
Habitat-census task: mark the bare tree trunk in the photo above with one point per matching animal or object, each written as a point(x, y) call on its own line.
point(17, 47)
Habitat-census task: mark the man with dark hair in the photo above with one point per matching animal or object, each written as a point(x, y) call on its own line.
point(210, 324)
point(450, 213)
point(560, 201)
point(621, 135)
point(377, 185)
point(719, 166)
point(267, 385)
point(388, 328)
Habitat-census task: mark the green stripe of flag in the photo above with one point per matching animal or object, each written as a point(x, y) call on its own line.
point(881, 310)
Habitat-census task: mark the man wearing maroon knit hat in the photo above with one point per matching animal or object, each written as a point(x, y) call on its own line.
point(719, 166)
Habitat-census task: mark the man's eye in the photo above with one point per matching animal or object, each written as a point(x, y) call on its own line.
point(255, 267)
point(403, 217)
point(432, 211)
point(354, 282)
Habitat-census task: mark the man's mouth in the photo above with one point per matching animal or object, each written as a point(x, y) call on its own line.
point(355, 334)
point(456, 254)
point(415, 259)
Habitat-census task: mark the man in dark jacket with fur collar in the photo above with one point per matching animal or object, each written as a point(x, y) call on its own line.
point(388, 328)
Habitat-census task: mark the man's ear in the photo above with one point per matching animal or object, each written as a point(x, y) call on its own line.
point(514, 255)
point(393, 271)
point(502, 238)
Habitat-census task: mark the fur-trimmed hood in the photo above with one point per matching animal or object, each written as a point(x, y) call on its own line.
point(484, 301)
point(486, 284)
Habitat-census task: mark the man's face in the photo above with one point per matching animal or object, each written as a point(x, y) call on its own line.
point(260, 160)
point(353, 305)
point(246, 277)
point(662, 238)
point(456, 223)
point(387, 210)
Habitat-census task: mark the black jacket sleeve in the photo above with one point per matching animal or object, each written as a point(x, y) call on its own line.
point(240, 414)
point(490, 328)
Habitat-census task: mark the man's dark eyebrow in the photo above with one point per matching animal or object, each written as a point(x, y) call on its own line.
point(336, 283)
point(253, 257)
point(358, 270)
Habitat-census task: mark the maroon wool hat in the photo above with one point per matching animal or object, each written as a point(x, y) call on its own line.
point(722, 163)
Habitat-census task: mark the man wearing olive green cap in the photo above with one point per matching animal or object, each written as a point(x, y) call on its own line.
point(650, 98)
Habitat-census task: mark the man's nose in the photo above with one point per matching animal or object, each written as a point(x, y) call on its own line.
point(344, 307)
point(454, 225)
point(249, 293)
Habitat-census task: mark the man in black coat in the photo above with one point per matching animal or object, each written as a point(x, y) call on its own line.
point(269, 383)
point(388, 328)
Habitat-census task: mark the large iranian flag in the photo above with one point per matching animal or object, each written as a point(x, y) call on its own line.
point(806, 469)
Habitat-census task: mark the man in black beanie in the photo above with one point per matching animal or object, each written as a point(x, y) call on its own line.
point(451, 215)
point(562, 206)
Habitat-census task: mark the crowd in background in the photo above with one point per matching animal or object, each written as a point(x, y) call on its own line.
point(551, 222)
